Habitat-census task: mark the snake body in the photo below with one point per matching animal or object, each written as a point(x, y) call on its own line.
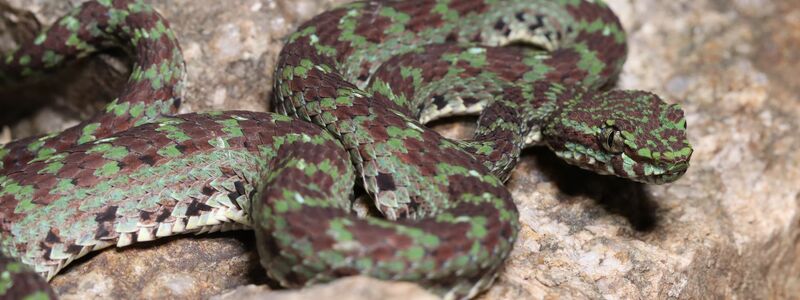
point(353, 88)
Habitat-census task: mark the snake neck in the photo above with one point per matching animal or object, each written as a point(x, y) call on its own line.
point(513, 122)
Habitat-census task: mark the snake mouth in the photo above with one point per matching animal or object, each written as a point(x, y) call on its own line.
point(651, 173)
point(624, 166)
point(665, 175)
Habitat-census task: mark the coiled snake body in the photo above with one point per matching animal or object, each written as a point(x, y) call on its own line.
point(354, 86)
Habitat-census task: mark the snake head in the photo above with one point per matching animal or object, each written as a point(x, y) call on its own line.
point(630, 134)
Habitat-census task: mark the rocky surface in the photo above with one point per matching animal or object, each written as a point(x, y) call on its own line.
point(728, 228)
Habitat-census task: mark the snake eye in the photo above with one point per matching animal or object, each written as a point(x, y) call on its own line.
point(611, 139)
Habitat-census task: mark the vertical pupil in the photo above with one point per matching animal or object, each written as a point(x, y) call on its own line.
point(610, 140)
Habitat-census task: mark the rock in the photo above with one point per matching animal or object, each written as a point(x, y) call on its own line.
point(728, 228)
point(187, 266)
point(351, 288)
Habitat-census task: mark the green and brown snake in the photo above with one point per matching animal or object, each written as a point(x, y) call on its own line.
point(353, 88)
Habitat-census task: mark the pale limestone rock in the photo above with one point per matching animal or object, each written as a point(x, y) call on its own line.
point(351, 288)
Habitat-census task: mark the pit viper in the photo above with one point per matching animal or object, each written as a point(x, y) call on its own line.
point(353, 88)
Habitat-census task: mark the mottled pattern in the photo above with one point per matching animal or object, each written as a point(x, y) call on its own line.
point(357, 84)
point(153, 89)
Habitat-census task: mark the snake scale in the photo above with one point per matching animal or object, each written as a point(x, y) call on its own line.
point(353, 88)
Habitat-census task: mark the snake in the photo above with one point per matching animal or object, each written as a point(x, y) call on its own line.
point(353, 89)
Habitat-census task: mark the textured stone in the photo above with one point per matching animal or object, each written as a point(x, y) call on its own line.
point(189, 267)
point(351, 288)
point(728, 228)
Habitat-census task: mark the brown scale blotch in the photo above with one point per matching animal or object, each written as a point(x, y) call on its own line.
point(146, 217)
point(198, 131)
point(421, 153)
point(382, 243)
point(165, 213)
point(564, 64)
point(457, 157)
point(501, 25)
point(313, 87)
point(439, 101)
point(303, 189)
point(73, 249)
point(129, 163)
point(497, 230)
point(207, 190)
point(85, 178)
point(327, 25)
point(196, 208)
point(506, 62)
point(308, 223)
point(606, 47)
point(520, 16)
point(638, 169)
point(589, 12)
point(150, 154)
point(372, 26)
point(295, 278)
point(107, 214)
point(52, 237)
point(434, 67)
point(385, 182)
point(7, 215)
point(539, 24)
point(44, 184)
point(328, 32)
point(420, 13)
point(360, 107)
point(465, 7)
point(460, 185)
point(607, 50)
point(133, 143)
point(452, 240)
point(147, 159)
point(617, 163)
point(390, 73)
point(246, 125)
point(105, 222)
point(45, 249)
point(418, 206)
point(377, 131)
point(233, 196)
point(468, 101)
point(363, 71)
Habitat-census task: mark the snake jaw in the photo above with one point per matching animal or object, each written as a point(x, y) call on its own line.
point(652, 173)
point(622, 165)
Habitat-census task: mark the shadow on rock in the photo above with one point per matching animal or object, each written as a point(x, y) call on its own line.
point(617, 195)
